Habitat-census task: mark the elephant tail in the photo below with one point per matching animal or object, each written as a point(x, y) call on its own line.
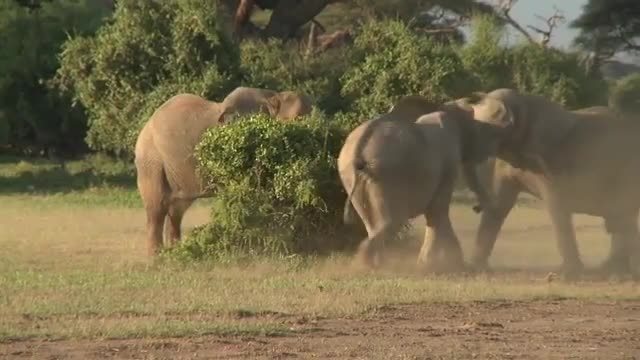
point(358, 166)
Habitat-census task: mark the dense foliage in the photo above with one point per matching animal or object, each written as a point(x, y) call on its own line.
point(529, 68)
point(277, 188)
point(609, 26)
point(625, 95)
point(389, 61)
point(35, 117)
point(151, 51)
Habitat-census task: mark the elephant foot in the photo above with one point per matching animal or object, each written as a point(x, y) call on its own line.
point(364, 258)
point(443, 267)
point(619, 268)
point(615, 266)
point(572, 271)
point(480, 265)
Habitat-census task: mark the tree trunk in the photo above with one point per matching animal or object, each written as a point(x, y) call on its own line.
point(289, 15)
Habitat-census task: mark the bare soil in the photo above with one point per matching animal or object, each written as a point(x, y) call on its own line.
point(562, 329)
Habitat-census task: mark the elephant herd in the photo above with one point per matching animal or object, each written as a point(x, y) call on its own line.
point(404, 164)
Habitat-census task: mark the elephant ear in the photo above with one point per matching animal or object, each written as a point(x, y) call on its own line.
point(494, 112)
point(272, 105)
point(226, 117)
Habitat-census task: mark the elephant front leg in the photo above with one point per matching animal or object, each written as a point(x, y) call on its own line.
point(562, 222)
point(491, 221)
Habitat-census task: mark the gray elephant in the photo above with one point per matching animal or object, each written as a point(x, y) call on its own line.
point(404, 164)
point(579, 162)
point(166, 168)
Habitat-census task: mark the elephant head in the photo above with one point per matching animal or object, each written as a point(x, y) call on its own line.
point(284, 105)
point(487, 123)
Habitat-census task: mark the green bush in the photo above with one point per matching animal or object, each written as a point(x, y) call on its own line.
point(528, 67)
point(35, 117)
point(389, 61)
point(484, 57)
point(151, 51)
point(625, 95)
point(556, 74)
point(277, 189)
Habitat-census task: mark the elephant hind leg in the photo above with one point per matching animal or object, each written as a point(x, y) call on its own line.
point(173, 220)
point(154, 190)
point(372, 246)
point(625, 245)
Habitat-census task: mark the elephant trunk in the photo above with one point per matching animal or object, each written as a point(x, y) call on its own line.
point(470, 171)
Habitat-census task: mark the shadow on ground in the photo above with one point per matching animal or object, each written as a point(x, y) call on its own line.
point(38, 176)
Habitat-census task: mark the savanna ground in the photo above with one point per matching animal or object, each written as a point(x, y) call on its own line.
point(75, 284)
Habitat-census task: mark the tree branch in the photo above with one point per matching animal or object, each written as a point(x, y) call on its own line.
point(552, 23)
point(504, 9)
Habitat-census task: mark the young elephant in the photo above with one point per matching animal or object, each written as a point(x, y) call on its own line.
point(166, 168)
point(583, 161)
point(395, 168)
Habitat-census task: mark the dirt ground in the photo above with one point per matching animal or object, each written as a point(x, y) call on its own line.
point(562, 329)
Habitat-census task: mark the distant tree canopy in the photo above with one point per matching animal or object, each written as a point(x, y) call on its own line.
point(71, 79)
point(609, 26)
point(33, 116)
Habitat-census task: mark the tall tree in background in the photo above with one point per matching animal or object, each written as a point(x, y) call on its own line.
point(608, 27)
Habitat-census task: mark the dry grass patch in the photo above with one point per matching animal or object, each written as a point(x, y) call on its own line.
point(79, 271)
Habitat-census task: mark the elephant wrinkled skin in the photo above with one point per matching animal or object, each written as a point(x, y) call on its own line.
point(404, 164)
point(584, 161)
point(166, 168)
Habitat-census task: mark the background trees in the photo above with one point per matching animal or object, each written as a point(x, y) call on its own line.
point(608, 27)
point(76, 73)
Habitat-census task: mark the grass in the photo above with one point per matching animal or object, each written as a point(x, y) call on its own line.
point(72, 265)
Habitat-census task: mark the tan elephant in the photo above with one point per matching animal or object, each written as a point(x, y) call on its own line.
point(284, 105)
point(578, 162)
point(166, 168)
point(402, 165)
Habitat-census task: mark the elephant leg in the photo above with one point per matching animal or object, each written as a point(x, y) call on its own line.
point(173, 221)
point(562, 222)
point(625, 245)
point(430, 250)
point(491, 221)
point(440, 239)
point(441, 250)
point(153, 189)
point(372, 246)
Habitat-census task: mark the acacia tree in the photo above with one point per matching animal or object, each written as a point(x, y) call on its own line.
point(608, 27)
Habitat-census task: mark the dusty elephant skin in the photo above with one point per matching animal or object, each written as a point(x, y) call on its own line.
point(166, 168)
point(404, 164)
point(578, 162)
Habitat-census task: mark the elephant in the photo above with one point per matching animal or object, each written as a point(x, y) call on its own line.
point(577, 162)
point(284, 105)
point(166, 168)
point(403, 164)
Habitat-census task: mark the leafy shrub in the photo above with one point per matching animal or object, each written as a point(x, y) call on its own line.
point(151, 51)
point(389, 60)
point(528, 67)
point(484, 57)
point(556, 74)
point(35, 116)
point(277, 189)
point(625, 95)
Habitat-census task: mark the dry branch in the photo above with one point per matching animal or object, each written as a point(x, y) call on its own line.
point(504, 9)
